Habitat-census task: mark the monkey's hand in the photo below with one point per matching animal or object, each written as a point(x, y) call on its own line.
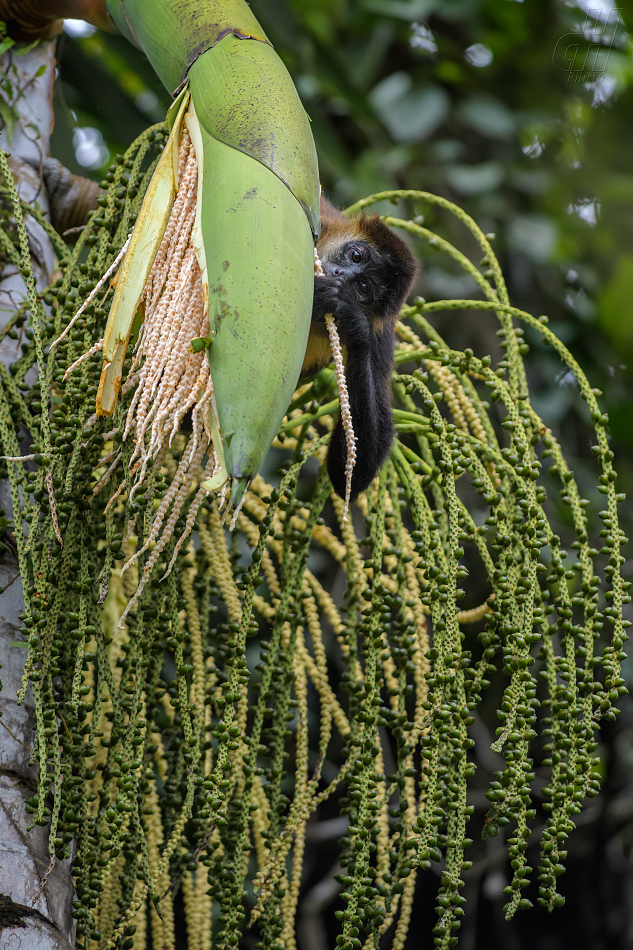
point(325, 300)
point(334, 295)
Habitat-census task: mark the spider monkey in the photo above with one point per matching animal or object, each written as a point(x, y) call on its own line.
point(368, 275)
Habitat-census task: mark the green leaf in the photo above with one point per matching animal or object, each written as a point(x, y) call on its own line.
point(9, 118)
point(402, 9)
point(614, 304)
point(475, 179)
point(200, 343)
point(245, 98)
point(411, 114)
point(488, 116)
point(26, 48)
point(260, 279)
point(6, 43)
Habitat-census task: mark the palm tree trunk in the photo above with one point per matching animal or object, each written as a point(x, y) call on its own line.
point(30, 916)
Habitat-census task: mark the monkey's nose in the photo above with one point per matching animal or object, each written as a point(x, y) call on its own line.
point(332, 270)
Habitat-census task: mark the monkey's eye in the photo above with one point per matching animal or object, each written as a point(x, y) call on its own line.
point(363, 288)
point(356, 255)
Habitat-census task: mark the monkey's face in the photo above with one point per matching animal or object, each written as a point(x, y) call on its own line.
point(350, 264)
point(355, 286)
point(372, 264)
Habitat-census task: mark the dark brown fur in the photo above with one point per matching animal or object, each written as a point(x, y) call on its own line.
point(369, 272)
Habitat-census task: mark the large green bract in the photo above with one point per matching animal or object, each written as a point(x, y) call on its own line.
point(236, 204)
point(274, 129)
point(258, 210)
point(173, 33)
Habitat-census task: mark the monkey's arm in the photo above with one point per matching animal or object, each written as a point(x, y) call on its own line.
point(318, 351)
point(368, 371)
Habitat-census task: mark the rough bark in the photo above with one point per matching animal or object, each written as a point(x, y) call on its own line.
point(28, 919)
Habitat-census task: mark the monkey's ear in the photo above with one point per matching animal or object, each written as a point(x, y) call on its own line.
point(407, 268)
point(328, 210)
point(402, 265)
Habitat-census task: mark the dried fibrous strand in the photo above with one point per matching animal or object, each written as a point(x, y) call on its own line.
point(93, 293)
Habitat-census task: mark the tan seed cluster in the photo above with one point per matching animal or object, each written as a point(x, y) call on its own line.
point(171, 379)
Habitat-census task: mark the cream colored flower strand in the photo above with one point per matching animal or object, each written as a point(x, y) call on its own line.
point(343, 395)
point(318, 266)
point(172, 378)
point(344, 408)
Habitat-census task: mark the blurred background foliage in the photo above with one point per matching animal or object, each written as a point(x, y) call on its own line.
point(520, 112)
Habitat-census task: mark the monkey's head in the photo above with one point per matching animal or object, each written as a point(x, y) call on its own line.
point(371, 261)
